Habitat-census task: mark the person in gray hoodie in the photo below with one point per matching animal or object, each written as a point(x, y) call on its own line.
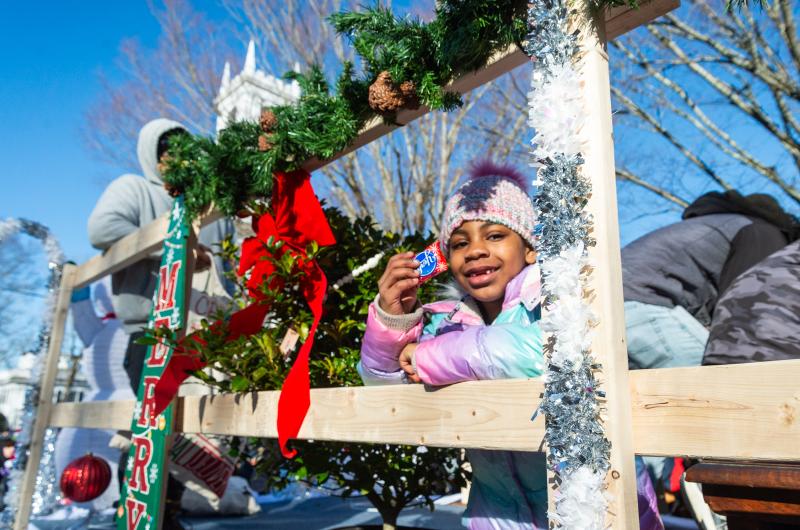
point(129, 203)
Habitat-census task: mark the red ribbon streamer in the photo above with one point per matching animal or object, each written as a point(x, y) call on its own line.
point(297, 220)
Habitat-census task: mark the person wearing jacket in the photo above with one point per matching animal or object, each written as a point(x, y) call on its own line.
point(673, 277)
point(758, 317)
point(129, 203)
point(490, 331)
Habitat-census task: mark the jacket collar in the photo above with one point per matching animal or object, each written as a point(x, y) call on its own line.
point(525, 289)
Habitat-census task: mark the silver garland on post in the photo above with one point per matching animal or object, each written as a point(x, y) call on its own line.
point(578, 452)
point(46, 494)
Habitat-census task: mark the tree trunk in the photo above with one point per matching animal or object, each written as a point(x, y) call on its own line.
point(389, 513)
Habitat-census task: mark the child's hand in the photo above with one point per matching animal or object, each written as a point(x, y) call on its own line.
point(399, 283)
point(407, 362)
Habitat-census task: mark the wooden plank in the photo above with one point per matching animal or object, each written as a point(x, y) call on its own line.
point(605, 281)
point(131, 249)
point(760, 475)
point(746, 411)
point(124, 252)
point(620, 20)
point(743, 411)
point(93, 415)
point(45, 401)
point(726, 500)
point(408, 414)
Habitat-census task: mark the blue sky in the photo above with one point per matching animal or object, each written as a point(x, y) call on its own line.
point(50, 55)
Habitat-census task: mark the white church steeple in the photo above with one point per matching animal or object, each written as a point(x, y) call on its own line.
point(243, 97)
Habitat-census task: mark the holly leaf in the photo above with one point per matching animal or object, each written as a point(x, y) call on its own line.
point(239, 383)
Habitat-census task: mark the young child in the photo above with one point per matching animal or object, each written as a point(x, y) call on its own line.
point(489, 332)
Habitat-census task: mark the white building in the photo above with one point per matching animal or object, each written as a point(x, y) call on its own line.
point(14, 383)
point(243, 97)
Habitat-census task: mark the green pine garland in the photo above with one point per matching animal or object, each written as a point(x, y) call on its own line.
point(461, 38)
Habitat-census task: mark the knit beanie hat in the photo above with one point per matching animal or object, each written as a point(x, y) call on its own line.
point(495, 193)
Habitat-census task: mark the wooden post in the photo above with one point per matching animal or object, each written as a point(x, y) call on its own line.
point(606, 279)
point(45, 400)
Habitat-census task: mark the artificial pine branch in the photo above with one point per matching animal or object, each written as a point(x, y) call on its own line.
point(462, 38)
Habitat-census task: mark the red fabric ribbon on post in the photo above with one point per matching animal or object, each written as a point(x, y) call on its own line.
point(297, 219)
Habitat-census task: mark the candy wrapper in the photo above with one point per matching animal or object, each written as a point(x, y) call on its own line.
point(432, 262)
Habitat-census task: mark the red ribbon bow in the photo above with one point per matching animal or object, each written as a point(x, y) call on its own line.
point(297, 221)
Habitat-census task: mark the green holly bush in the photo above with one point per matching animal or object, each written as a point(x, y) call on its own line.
point(390, 476)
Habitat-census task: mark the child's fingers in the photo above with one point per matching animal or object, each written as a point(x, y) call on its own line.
point(392, 276)
point(403, 256)
point(409, 370)
point(400, 261)
point(399, 288)
point(399, 274)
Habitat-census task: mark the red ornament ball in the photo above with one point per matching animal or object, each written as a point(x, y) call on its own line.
point(85, 478)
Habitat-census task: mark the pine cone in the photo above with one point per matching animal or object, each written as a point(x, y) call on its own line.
point(263, 143)
point(385, 96)
point(268, 120)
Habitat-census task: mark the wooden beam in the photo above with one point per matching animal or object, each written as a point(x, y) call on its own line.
point(147, 240)
point(132, 248)
point(742, 411)
point(620, 20)
point(605, 281)
point(93, 415)
point(408, 414)
point(745, 411)
point(123, 253)
point(45, 400)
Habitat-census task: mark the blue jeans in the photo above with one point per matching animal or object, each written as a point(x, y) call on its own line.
point(662, 337)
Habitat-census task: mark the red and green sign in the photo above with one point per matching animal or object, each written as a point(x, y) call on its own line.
point(146, 473)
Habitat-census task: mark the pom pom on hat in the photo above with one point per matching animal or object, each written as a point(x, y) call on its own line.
point(490, 168)
point(496, 193)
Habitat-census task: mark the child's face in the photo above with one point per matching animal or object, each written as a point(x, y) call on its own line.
point(484, 257)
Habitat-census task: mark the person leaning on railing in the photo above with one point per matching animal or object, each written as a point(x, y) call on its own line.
point(129, 203)
point(674, 277)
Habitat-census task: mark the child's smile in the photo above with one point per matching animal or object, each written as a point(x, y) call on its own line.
point(480, 276)
point(484, 257)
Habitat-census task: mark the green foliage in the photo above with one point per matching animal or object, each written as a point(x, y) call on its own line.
point(227, 172)
point(320, 124)
point(470, 31)
point(390, 476)
point(462, 38)
point(405, 47)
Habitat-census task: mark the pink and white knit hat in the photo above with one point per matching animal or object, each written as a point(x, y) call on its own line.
point(495, 193)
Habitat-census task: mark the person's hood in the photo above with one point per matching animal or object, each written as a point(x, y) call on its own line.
point(147, 148)
point(758, 205)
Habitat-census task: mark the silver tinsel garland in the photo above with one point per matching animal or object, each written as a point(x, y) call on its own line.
point(46, 493)
point(578, 451)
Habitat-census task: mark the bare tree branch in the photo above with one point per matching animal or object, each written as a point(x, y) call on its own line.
point(663, 193)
